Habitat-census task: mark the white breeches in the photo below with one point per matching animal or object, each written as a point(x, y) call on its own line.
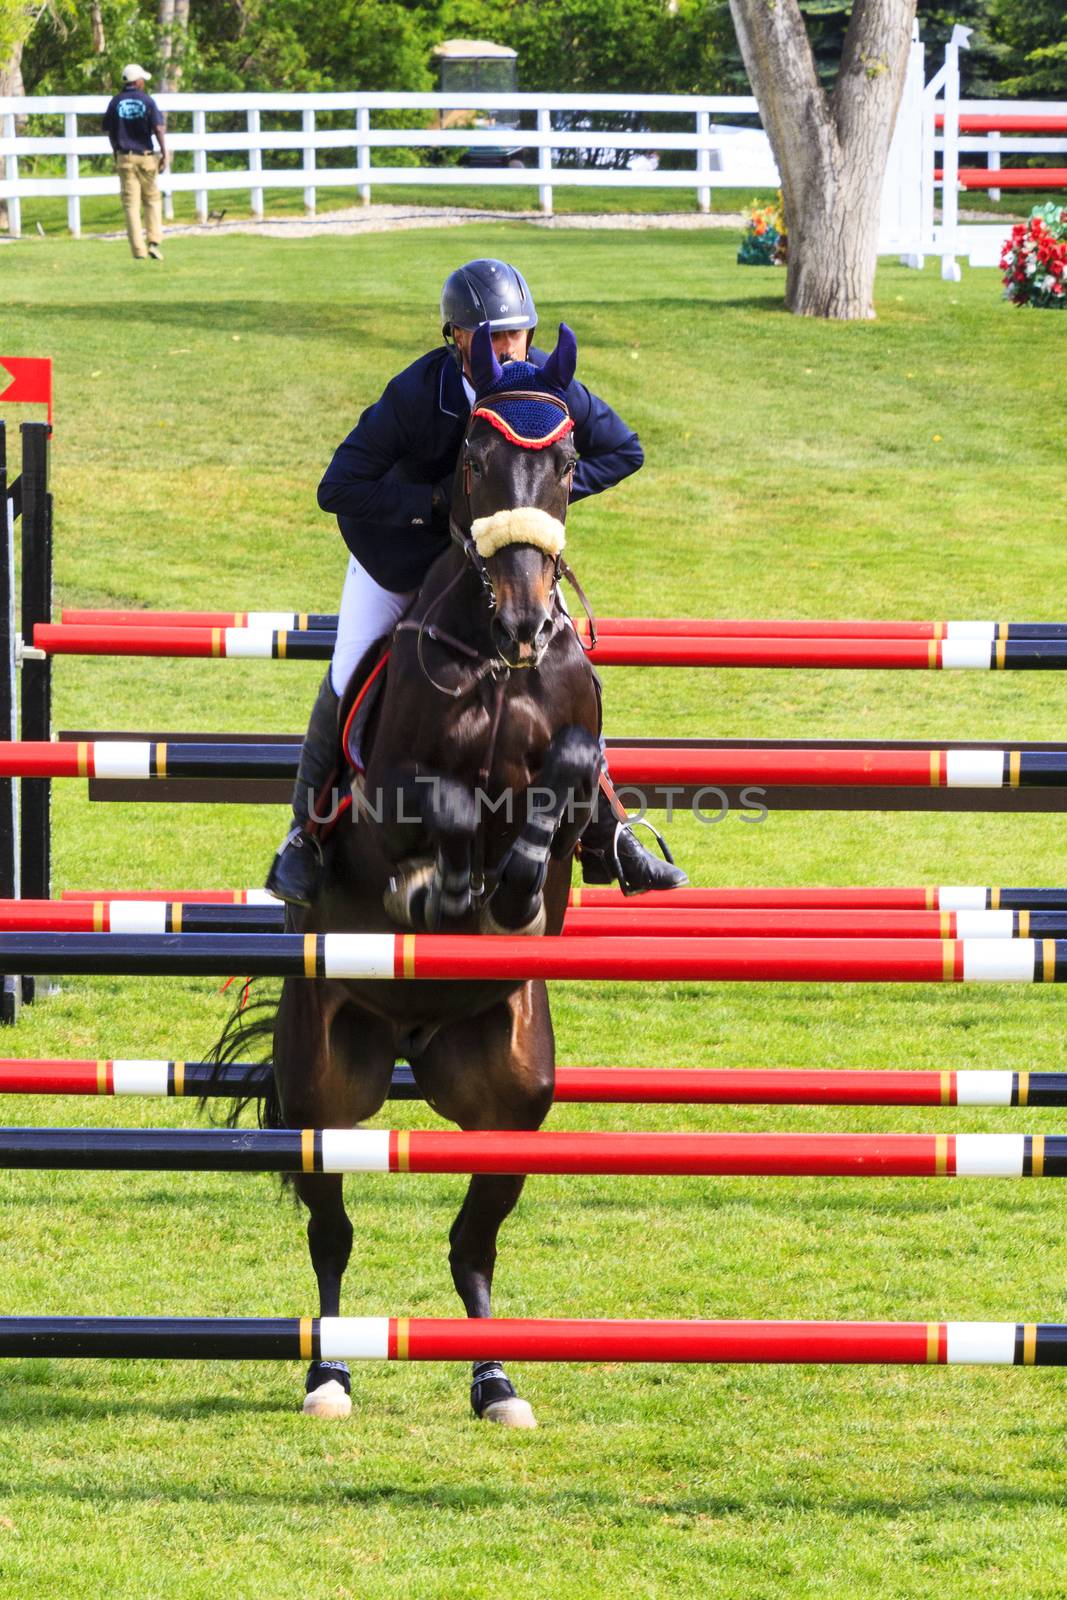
point(367, 611)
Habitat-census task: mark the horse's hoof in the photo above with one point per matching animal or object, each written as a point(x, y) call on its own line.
point(533, 929)
point(510, 1413)
point(493, 1398)
point(328, 1400)
point(404, 899)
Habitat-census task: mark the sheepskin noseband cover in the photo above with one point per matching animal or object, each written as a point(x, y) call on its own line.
point(521, 525)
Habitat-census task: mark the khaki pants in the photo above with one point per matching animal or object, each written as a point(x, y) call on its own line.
point(137, 180)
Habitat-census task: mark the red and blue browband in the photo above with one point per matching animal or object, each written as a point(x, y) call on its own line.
point(529, 429)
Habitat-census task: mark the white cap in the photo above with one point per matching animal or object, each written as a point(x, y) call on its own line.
point(131, 73)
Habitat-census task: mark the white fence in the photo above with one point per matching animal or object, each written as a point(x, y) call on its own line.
point(723, 155)
point(730, 157)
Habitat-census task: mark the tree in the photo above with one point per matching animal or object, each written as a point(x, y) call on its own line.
point(1033, 34)
point(981, 64)
point(18, 18)
point(17, 21)
point(830, 146)
point(86, 50)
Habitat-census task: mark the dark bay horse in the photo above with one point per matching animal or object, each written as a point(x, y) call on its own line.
point(477, 785)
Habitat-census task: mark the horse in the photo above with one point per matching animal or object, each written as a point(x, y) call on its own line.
point(489, 702)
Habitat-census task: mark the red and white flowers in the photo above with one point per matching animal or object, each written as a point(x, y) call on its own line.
point(1034, 259)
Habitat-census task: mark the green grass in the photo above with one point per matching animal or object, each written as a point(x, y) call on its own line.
point(910, 467)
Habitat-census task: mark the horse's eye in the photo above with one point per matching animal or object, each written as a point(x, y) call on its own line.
point(476, 468)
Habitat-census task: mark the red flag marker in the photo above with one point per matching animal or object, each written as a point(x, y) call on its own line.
point(31, 381)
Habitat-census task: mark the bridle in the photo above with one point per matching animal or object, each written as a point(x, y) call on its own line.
point(460, 535)
point(492, 666)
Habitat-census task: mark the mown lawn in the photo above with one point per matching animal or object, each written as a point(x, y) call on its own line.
point(911, 467)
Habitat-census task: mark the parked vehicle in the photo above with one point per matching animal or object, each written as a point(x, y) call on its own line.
point(480, 67)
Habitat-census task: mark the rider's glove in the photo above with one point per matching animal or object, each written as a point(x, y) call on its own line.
point(441, 502)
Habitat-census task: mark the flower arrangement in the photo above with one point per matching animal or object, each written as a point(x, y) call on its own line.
point(1034, 259)
point(764, 241)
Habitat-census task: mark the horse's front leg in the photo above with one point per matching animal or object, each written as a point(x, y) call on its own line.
point(558, 807)
point(472, 1257)
point(430, 829)
point(490, 1072)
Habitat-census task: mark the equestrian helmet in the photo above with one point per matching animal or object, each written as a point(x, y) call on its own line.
point(486, 291)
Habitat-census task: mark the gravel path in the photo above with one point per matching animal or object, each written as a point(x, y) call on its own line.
point(386, 218)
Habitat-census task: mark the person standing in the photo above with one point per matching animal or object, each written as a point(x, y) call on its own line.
point(130, 121)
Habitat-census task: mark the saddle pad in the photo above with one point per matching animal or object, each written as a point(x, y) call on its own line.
point(360, 700)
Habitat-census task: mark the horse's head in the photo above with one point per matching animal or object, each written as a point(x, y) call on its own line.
point(516, 469)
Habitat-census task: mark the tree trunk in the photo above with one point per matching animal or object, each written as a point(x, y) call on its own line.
point(166, 41)
point(173, 26)
point(181, 32)
point(11, 72)
point(831, 150)
point(10, 83)
point(96, 17)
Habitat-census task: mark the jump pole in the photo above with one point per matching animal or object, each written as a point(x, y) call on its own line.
point(1020, 1344)
point(607, 627)
point(614, 650)
point(927, 768)
point(945, 898)
point(363, 1150)
point(958, 897)
point(161, 916)
point(478, 958)
point(579, 1085)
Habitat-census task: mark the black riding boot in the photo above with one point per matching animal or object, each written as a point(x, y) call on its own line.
point(610, 851)
point(295, 870)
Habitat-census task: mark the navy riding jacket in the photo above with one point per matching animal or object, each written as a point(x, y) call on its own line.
point(380, 480)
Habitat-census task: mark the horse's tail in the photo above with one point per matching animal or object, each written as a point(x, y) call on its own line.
point(248, 1026)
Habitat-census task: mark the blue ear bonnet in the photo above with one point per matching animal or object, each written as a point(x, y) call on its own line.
point(524, 420)
point(520, 375)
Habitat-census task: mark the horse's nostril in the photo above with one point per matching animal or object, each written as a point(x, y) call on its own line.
point(520, 640)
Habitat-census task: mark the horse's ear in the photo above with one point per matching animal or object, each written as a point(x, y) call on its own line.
point(558, 370)
point(485, 368)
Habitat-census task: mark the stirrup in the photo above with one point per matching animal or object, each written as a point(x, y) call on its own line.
point(640, 822)
point(642, 871)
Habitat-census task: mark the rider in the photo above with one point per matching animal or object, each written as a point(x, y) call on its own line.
point(390, 485)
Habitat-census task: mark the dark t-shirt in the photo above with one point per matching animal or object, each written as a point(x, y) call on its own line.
point(129, 120)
